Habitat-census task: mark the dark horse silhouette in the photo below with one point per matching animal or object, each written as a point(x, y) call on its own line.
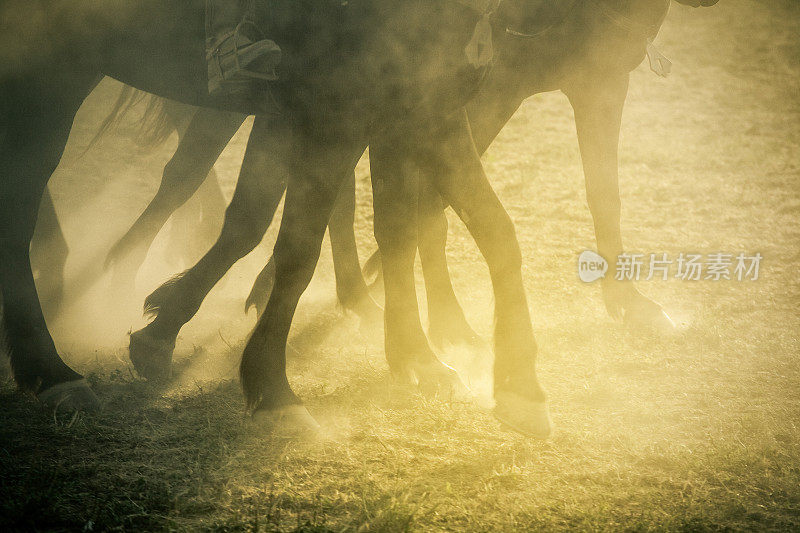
point(391, 74)
point(582, 48)
point(194, 228)
point(203, 134)
point(587, 50)
point(511, 329)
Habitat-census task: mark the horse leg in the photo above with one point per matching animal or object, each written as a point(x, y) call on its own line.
point(456, 167)
point(196, 225)
point(212, 213)
point(49, 253)
point(598, 104)
point(395, 191)
point(313, 185)
point(204, 140)
point(262, 288)
point(351, 289)
point(37, 130)
point(488, 113)
point(447, 324)
point(208, 201)
point(246, 220)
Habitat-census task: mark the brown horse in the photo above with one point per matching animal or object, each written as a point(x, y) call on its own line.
point(584, 48)
point(563, 38)
point(387, 74)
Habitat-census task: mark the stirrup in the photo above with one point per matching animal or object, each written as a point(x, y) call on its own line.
point(230, 61)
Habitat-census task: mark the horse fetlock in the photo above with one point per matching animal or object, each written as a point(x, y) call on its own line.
point(518, 377)
point(405, 351)
point(515, 352)
point(258, 297)
point(442, 381)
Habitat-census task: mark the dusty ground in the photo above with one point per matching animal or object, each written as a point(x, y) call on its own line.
point(695, 431)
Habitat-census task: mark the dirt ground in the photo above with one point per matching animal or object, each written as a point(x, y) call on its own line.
point(697, 430)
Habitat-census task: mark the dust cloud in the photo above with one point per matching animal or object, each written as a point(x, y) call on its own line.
point(690, 430)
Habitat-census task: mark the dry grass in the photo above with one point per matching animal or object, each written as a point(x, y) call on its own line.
point(698, 431)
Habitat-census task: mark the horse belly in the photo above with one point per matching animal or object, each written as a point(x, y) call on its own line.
point(162, 51)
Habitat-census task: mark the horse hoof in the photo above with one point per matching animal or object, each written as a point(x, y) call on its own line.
point(440, 381)
point(151, 357)
point(525, 416)
point(289, 421)
point(70, 396)
point(464, 338)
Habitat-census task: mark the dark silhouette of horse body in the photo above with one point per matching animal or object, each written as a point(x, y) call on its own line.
point(383, 73)
point(585, 49)
point(391, 75)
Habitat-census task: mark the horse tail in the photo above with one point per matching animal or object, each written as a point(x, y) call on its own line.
point(155, 125)
point(128, 97)
point(159, 297)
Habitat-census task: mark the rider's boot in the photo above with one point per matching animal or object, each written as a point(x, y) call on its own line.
point(236, 51)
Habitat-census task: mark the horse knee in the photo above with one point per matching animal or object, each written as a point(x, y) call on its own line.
point(295, 264)
point(243, 230)
point(510, 255)
point(501, 247)
point(433, 232)
point(179, 181)
point(395, 232)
